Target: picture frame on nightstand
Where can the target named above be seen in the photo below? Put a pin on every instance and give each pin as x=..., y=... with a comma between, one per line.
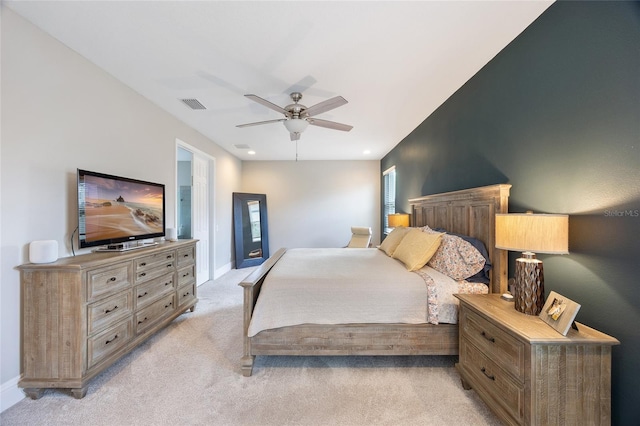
x=559, y=312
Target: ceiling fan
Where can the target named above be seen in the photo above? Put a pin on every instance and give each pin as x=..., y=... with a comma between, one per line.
x=298, y=116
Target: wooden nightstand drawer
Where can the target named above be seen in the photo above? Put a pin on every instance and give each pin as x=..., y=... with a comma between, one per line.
x=503, y=349
x=109, y=311
x=496, y=383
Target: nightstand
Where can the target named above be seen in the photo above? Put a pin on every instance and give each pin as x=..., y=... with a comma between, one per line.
x=528, y=373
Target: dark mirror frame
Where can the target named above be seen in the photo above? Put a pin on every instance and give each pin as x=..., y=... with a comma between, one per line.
x=242, y=229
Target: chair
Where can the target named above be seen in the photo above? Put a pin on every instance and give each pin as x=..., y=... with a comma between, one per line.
x=360, y=238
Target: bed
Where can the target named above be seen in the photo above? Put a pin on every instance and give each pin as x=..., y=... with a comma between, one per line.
x=469, y=212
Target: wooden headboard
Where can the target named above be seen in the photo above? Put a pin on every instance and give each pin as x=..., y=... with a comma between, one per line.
x=469, y=212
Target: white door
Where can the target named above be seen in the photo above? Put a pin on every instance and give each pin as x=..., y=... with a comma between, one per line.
x=200, y=215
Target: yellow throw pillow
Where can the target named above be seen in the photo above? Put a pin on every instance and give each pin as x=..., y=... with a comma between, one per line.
x=416, y=248
x=390, y=243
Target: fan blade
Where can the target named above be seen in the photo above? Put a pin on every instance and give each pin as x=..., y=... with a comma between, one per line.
x=325, y=106
x=329, y=124
x=295, y=136
x=268, y=104
x=257, y=123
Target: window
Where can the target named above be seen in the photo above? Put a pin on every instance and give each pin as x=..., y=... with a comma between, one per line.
x=389, y=177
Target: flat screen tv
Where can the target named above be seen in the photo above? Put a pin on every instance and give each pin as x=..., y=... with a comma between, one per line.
x=113, y=210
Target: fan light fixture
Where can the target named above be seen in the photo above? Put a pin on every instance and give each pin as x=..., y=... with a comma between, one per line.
x=296, y=125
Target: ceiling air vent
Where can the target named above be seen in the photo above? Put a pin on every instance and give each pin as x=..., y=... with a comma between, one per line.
x=242, y=146
x=193, y=103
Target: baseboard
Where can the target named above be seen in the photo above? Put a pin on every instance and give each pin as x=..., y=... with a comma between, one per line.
x=10, y=394
x=222, y=270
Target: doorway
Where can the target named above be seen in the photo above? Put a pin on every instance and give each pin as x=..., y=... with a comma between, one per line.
x=194, y=180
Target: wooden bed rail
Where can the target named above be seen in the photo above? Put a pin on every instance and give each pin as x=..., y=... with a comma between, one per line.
x=252, y=285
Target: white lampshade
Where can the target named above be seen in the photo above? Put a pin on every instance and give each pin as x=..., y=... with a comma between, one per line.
x=537, y=233
x=531, y=233
x=296, y=125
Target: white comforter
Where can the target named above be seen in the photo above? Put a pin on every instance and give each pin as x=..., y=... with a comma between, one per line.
x=347, y=286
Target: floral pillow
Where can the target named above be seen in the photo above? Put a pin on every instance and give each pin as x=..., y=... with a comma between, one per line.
x=456, y=258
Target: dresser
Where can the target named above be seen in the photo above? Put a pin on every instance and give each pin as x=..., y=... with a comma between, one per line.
x=528, y=373
x=80, y=314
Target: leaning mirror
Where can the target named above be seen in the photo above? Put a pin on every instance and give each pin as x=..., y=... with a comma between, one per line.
x=250, y=229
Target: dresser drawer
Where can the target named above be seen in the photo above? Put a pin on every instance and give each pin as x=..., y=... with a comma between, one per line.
x=506, y=351
x=186, y=256
x=495, y=382
x=154, y=312
x=108, y=342
x=153, y=260
x=186, y=275
x=157, y=270
x=186, y=294
x=108, y=280
x=101, y=315
x=146, y=293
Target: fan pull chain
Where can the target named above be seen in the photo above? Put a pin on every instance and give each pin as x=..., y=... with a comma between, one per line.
x=296, y=151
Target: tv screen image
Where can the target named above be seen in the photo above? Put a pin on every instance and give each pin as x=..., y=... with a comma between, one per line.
x=114, y=209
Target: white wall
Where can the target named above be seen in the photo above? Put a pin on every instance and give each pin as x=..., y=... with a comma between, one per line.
x=60, y=113
x=315, y=203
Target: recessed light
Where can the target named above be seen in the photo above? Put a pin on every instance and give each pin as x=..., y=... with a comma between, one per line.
x=252, y=152
x=366, y=152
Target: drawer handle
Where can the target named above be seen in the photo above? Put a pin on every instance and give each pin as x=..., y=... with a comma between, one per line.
x=143, y=264
x=109, y=341
x=107, y=311
x=186, y=255
x=142, y=320
x=112, y=279
x=170, y=265
x=143, y=274
x=484, y=371
x=491, y=339
x=185, y=275
x=142, y=295
x=168, y=282
x=170, y=303
x=169, y=256
x=186, y=294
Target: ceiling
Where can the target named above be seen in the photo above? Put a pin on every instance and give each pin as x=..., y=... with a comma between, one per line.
x=394, y=62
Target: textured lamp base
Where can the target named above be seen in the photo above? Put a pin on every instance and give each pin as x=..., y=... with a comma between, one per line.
x=529, y=285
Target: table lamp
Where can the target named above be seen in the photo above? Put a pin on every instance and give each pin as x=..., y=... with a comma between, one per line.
x=398, y=219
x=531, y=233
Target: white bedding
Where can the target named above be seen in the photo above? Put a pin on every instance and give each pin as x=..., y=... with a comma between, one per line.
x=348, y=286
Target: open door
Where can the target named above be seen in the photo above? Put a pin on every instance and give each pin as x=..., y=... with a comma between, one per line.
x=194, y=205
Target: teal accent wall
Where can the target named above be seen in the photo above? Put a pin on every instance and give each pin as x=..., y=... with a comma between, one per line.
x=557, y=115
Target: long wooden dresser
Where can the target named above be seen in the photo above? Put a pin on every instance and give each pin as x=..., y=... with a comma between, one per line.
x=80, y=314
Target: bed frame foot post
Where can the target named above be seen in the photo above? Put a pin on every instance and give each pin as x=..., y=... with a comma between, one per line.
x=247, y=365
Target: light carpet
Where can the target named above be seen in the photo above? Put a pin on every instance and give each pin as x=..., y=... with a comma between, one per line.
x=189, y=373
